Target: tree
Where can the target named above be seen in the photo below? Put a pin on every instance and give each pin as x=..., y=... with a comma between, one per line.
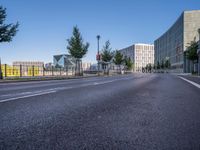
x=128, y=63
x=77, y=49
x=150, y=68
x=162, y=64
x=167, y=64
x=158, y=65
x=107, y=54
x=118, y=59
x=154, y=66
x=191, y=53
x=7, y=31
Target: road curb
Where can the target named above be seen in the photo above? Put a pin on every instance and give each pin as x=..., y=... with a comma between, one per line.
x=41, y=79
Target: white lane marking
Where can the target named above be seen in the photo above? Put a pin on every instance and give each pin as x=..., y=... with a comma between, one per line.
x=16, y=94
x=53, y=90
x=191, y=82
x=105, y=82
x=26, y=96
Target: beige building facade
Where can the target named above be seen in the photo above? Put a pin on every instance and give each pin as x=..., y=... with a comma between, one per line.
x=140, y=54
x=28, y=63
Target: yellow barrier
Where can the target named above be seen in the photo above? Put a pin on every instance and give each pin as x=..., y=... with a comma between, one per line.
x=11, y=71
x=14, y=71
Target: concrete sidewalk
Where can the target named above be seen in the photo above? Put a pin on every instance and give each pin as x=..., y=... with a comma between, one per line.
x=41, y=78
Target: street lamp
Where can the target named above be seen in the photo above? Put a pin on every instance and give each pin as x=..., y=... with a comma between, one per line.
x=1, y=74
x=198, y=52
x=98, y=56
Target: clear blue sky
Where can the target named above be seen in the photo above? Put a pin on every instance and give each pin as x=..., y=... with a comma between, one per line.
x=46, y=24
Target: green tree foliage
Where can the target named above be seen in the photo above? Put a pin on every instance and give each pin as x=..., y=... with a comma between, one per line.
x=167, y=64
x=118, y=58
x=191, y=52
x=128, y=63
x=107, y=53
x=148, y=68
x=154, y=67
x=158, y=65
x=162, y=64
x=7, y=31
x=77, y=48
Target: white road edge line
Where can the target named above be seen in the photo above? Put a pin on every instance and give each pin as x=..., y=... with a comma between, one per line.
x=37, y=94
x=191, y=82
x=53, y=90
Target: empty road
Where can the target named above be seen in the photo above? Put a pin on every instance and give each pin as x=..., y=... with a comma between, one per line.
x=137, y=111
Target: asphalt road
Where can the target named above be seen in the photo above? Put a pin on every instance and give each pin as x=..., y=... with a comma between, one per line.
x=140, y=111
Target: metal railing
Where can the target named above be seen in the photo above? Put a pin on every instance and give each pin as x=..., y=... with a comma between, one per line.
x=23, y=71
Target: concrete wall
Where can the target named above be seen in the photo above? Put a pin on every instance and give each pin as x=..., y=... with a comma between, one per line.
x=170, y=45
x=191, y=26
x=175, y=41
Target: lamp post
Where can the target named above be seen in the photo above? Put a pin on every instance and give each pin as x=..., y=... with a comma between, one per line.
x=1, y=74
x=198, y=53
x=98, y=56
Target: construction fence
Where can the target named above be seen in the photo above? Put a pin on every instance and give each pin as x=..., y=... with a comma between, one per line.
x=34, y=71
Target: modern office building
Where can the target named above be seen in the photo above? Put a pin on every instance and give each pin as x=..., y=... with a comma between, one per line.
x=86, y=66
x=67, y=61
x=28, y=63
x=140, y=54
x=63, y=61
x=29, y=68
x=173, y=43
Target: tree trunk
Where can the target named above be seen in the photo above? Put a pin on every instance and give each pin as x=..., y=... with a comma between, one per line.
x=78, y=68
x=193, y=67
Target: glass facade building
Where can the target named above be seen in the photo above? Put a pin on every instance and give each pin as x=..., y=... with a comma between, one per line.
x=63, y=61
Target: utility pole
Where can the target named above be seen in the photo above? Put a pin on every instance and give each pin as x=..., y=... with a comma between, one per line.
x=98, y=55
x=198, y=53
x=1, y=74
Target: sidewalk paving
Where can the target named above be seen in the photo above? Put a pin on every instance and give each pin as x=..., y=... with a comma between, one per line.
x=41, y=78
x=47, y=78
